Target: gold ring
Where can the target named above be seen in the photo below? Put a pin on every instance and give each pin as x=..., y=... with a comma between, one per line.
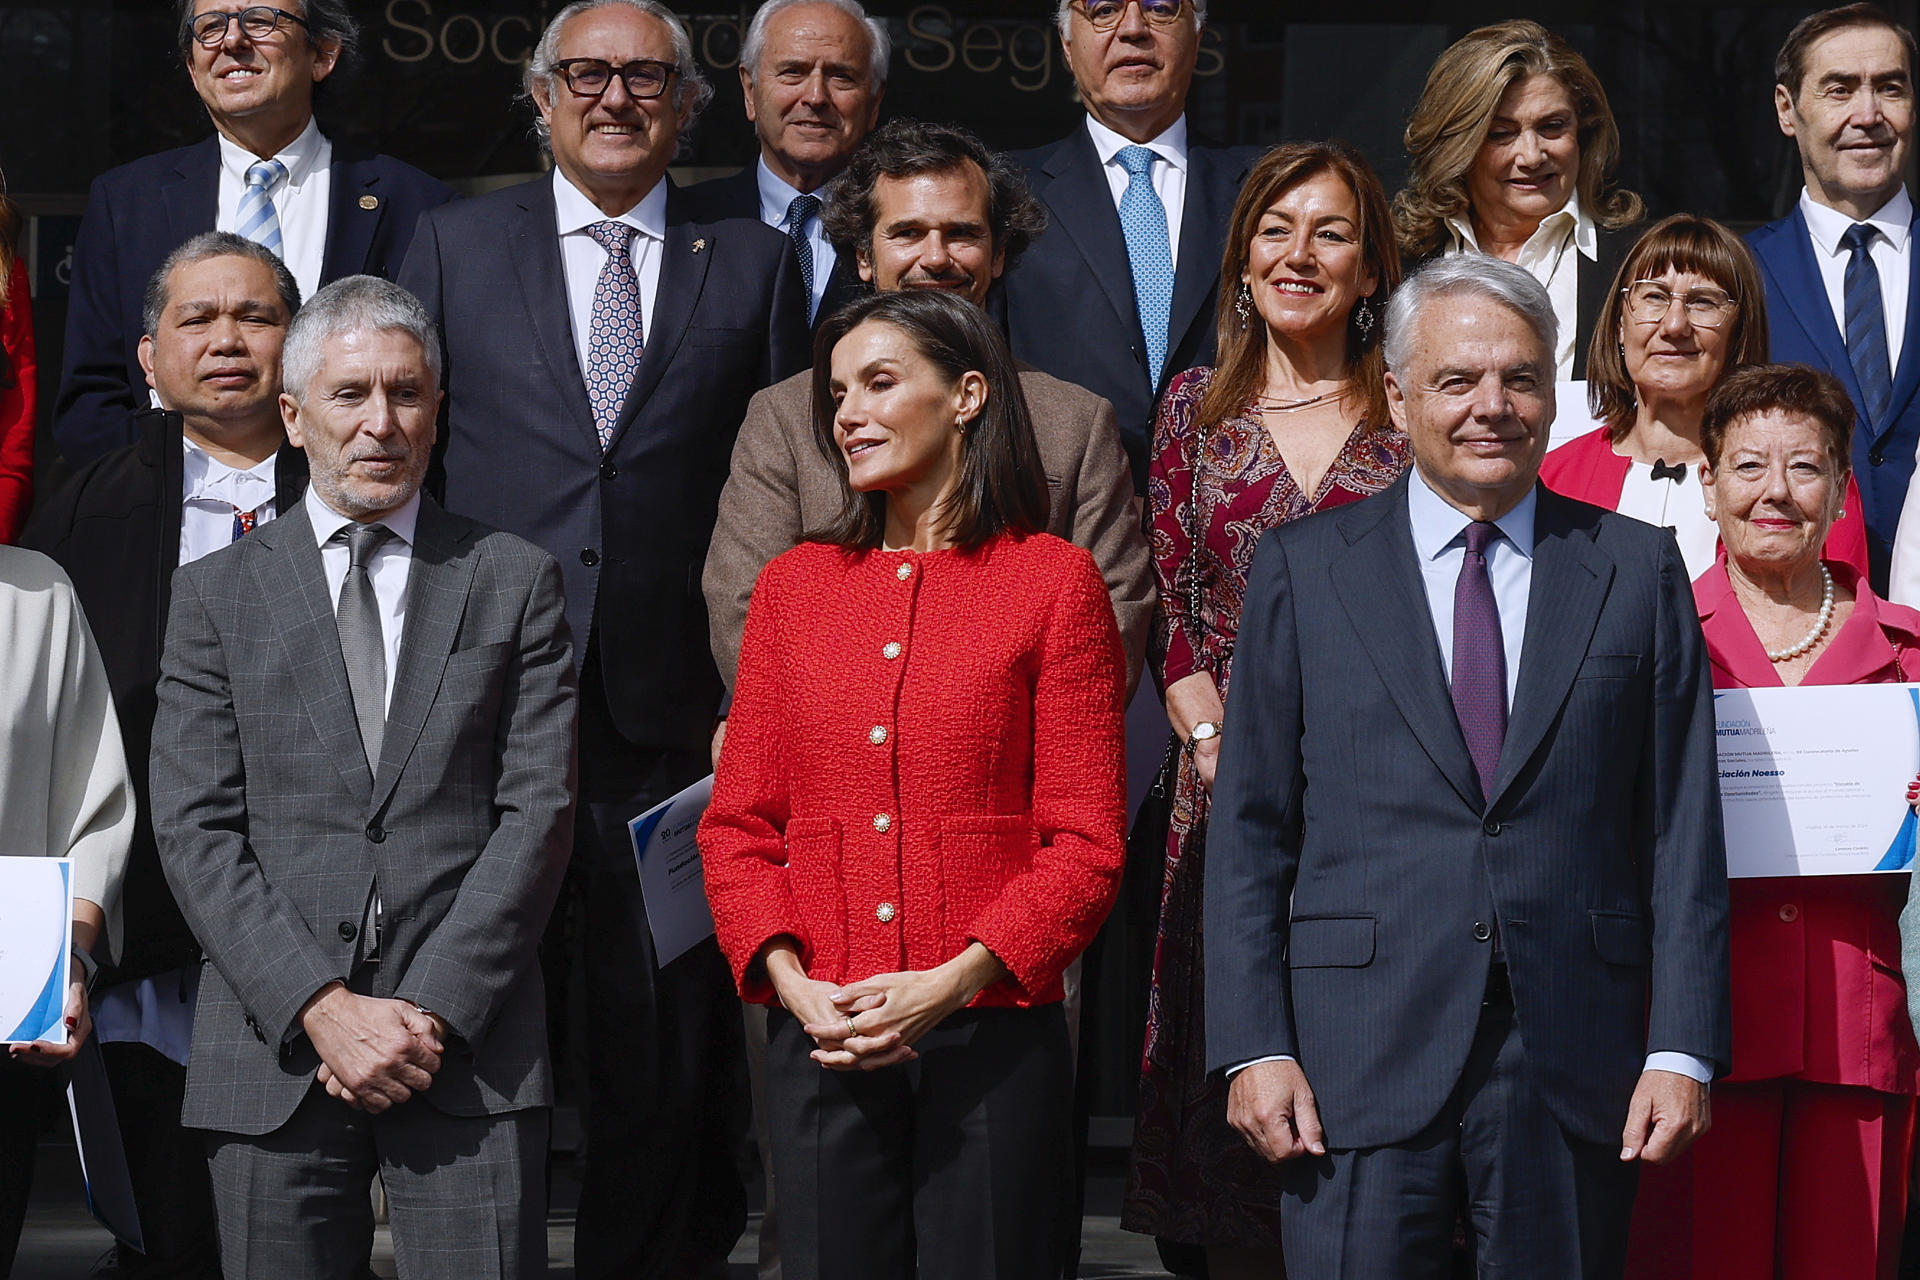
x=851, y=1031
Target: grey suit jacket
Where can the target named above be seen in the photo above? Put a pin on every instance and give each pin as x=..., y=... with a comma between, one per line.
x=1355, y=873
x=273, y=832
x=781, y=485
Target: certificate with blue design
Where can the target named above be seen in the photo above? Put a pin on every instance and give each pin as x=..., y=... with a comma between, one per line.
x=672, y=885
x=1813, y=779
x=36, y=942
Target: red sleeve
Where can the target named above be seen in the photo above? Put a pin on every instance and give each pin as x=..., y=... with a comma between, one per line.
x=1049, y=913
x=742, y=834
x=1170, y=498
x=18, y=404
x=1847, y=538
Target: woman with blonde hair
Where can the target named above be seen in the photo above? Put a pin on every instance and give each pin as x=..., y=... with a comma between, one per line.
x=18, y=396
x=1513, y=147
x=1291, y=420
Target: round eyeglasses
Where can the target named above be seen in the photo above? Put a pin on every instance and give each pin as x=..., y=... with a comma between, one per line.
x=256, y=23
x=1649, y=301
x=589, y=77
x=1105, y=15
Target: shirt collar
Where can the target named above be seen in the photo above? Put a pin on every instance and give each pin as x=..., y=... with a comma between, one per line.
x=1170, y=146
x=776, y=193
x=573, y=212
x=302, y=156
x=1438, y=524
x=1586, y=233
x=1828, y=227
x=327, y=522
x=201, y=472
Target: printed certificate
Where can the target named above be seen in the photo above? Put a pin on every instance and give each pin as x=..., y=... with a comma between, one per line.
x=1813, y=779
x=671, y=881
x=36, y=939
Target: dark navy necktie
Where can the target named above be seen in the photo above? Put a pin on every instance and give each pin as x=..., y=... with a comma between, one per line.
x=1479, y=659
x=799, y=209
x=1867, y=324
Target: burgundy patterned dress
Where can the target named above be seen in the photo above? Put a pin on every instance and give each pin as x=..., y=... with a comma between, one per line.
x=1210, y=496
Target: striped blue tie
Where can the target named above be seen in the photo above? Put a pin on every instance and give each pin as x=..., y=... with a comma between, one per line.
x=1867, y=325
x=257, y=220
x=1143, y=220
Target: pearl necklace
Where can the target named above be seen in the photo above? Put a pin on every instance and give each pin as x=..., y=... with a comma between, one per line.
x=1819, y=624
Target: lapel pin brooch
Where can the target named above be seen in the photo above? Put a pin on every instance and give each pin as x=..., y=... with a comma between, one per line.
x=698, y=245
x=369, y=202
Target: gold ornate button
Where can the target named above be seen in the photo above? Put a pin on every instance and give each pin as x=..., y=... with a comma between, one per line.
x=904, y=572
x=877, y=734
x=884, y=913
x=892, y=650
x=882, y=822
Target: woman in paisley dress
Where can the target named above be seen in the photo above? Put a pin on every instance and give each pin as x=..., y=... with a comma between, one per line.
x=1292, y=420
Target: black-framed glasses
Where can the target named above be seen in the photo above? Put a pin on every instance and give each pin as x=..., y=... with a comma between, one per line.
x=1649, y=301
x=257, y=23
x=643, y=77
x=1105, y=15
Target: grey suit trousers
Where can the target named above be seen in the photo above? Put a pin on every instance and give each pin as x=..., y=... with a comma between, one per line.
x=467, y=1194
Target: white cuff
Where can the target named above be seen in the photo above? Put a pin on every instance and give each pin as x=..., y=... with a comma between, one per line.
x=1238, y=1067
x=1681, y=1064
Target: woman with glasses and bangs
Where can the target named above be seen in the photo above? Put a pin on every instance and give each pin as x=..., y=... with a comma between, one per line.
x=1686, y=308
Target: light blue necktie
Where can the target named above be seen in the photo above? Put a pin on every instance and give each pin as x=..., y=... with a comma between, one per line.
x=257, y=220
x=1143, y=220
x=1867, y=325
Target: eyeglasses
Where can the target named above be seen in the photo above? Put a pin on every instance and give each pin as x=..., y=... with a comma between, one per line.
x=643, y=77
x=256, y=23
x=1105, y=15
x=1649, y=301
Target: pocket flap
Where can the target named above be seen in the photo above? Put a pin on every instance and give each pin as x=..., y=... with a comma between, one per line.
x=1621, y=937
x=1600, y=666
x=1326, y=942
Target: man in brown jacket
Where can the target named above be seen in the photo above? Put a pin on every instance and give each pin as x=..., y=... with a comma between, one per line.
x=926, y=206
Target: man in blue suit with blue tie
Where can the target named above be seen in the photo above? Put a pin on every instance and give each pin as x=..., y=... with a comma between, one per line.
x=1839, y=269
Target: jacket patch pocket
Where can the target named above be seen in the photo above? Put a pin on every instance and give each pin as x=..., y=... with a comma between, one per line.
x=819, y=889
x=979, y=854
x=1609, y=666
x=1620, y=937
x=1330, y=942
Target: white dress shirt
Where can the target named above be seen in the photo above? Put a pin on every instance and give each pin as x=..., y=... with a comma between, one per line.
x=299, y=201
x=1169, y=176
x=211, y=491
x=388, y=569
x=1440, y=544
x=1679, y=505
x=1827, y=228
x=581, y=257
x=775, y=196
x=1552, y=256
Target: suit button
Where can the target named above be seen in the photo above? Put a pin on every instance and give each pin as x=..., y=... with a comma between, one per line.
x=904, y=572
x=608, y=471
x=347, y=931
x=882, y=823
x=377, y=833
x=877, y=735
x=1789, y=913
x=1481, y=931
x=891, y=650
x=589, y=557
x=1876, y=457
x=884, y=913
x=1491, y=826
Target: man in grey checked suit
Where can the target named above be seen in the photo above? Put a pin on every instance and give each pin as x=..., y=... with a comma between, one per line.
x=362, y=791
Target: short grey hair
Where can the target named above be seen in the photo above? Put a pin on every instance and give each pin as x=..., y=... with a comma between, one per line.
x=206, y=245
x=347, y=305
x=691, y=94
x=879, y=43
x=1063, y=16
x=1475, y=274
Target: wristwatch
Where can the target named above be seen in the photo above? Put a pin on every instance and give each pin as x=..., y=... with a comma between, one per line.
x=1205, y=731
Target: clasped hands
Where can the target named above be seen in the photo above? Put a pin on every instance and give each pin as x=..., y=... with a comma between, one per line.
x=874, y=1023
x=1271, y=1105
x=374, y=1053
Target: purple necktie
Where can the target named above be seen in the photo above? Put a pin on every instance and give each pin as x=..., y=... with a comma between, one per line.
x=614, y=337
x=1479, y=660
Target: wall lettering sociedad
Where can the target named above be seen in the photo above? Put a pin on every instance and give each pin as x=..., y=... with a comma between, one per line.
x=1027, y=53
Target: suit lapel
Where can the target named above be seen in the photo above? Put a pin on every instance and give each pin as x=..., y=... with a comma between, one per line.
x=292, y=588
x=1081, y=205
x=690, y=246
x=192, y=196
x=351, y=222
x=535, y=236
x=1907, y=378
x=1570, y=583
x=437, y=585
x=1379, y=586
x=1211, y=190
x=1788, y=258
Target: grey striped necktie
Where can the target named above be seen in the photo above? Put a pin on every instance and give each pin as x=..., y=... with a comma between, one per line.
x=358, y=617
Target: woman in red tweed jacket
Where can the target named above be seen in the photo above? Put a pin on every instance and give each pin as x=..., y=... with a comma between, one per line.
x=918, y=817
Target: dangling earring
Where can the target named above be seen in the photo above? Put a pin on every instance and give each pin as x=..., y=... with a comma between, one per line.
x=1243, y=304
x=1363, y=319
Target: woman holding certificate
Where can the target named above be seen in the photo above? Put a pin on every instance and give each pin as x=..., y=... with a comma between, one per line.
x=1686, y=307
x=1805, y=1170
x=918, y=817
x=63, y=794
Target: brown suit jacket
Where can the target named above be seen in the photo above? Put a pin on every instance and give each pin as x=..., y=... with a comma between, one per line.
x=781, y=485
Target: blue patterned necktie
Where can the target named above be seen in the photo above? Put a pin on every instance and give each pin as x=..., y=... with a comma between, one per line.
x=1867, y=324
x=798, y=211
x=1143, y=220
x=1479, y=657
x=615, y=336
x=257, y=220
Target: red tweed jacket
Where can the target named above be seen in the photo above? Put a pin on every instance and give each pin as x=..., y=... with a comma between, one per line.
x=924, y=749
